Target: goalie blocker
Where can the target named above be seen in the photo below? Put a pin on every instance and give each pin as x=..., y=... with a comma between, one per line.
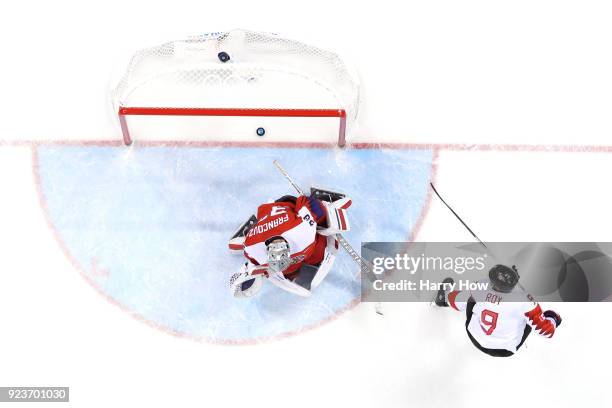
x=307, y=225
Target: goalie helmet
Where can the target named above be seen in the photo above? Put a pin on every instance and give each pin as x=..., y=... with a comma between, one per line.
x=279, y=258
x=503, y=278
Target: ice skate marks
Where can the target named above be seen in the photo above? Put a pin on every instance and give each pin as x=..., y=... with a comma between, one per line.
x=156, y=220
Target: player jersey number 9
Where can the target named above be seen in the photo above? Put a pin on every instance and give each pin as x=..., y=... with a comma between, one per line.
x=488, y=319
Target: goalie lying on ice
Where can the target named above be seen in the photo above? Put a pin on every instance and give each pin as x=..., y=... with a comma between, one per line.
x=291, y=242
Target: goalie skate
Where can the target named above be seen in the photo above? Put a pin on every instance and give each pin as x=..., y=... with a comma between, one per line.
x=236, y=241
x=326, y=195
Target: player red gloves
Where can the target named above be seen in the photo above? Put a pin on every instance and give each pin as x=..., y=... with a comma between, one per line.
x=539, y=322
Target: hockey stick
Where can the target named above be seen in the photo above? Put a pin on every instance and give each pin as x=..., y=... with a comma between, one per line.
x=457, y=215
x=460, y=220
x=469, y=229
x=363, y=265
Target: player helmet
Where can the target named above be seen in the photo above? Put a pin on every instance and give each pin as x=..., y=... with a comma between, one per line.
x=279, y=258
x=503, y=278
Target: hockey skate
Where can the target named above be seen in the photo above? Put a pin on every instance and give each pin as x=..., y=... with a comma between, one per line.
x=236, y=241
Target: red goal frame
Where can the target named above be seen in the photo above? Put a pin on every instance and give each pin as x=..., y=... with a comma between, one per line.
x=254, y=112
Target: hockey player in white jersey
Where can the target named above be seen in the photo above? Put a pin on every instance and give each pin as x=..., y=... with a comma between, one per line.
x=500, y=319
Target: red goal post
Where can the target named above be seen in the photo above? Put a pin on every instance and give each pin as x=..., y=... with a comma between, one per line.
x=237, y=112
x=177, y=90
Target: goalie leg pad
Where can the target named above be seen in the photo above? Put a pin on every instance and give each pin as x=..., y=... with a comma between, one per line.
x=326, y=264
x=278, y=279
x=337, y=220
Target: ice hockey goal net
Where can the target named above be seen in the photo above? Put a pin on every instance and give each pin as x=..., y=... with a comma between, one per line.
x=236, y=85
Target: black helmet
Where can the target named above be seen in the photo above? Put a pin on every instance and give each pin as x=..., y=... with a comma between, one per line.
x=503, y=278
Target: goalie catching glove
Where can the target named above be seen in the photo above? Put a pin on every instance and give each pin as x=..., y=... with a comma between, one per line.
x=244, y=284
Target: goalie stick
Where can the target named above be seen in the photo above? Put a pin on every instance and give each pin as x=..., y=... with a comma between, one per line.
x=363, y=265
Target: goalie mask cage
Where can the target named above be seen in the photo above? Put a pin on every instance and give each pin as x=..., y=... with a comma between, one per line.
x=183, y=90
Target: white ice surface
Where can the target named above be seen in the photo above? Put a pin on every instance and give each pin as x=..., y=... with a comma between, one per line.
x=445, y=72
x=149, y=227
x=56, y=329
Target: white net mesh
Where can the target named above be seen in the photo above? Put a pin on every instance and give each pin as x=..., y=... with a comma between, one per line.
x=264, y=71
